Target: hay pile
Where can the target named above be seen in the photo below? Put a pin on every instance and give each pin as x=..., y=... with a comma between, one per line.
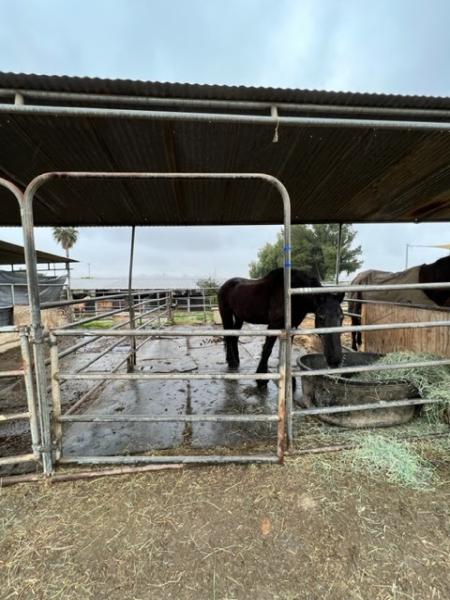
x=431, y=382
x=393, y=459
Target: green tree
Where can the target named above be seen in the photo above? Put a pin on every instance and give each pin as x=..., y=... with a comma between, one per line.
x=313, y=249
x=209, y=285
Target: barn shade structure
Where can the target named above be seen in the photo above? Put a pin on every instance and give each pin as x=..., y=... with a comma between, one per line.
x=13, y=254
x=91, y=152
x=343, y=157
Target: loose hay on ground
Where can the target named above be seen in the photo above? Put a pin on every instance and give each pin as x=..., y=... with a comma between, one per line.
x=299, y=531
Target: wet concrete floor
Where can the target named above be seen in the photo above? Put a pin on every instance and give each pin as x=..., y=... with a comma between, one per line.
x=155, y=398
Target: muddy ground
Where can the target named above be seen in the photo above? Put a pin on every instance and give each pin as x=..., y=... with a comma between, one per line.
x=154, y=398
x=312, y=530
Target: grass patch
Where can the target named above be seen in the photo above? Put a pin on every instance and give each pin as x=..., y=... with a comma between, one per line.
x=394, y=460
x=100, y=324
x=182, y=317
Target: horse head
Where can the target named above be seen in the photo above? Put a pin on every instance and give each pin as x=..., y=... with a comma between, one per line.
x=329, y=313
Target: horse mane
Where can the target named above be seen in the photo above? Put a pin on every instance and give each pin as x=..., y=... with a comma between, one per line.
x=439, y=268
x=299, y=278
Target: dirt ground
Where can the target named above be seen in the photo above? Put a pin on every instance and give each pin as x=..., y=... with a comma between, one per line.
x=312, y=529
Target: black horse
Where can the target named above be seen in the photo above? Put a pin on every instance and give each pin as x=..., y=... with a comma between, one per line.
x=260, y=301
x=436, y=272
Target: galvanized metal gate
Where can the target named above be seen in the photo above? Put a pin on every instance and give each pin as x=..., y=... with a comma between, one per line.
x=50, y=425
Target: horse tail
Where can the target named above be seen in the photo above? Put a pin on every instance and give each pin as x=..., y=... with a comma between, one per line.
x=229, y=322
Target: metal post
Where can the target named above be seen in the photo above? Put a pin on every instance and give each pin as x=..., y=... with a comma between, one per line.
x=281, y=430
x=338, y=253
x=287, y=308
x=406, y=256
x=204, y=305
x=56, y=397
x=13, y=296
x=26, y=212
x=29, y=389
x=132, y=356
x=169, y=308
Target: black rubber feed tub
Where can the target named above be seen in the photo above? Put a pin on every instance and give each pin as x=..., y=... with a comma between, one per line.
x=334, y=390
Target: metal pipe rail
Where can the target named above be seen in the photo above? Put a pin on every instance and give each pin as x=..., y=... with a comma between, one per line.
x=334, y=289
x=405, y=304
x=220, y=104
x=168, y=418
x=187, y=332
x=15, y=416
x=374, y=327
x=210, y=117
x=100, y=316
x=114, y=344
x=102, y=375
x=85, y=300
x=82, y=332
x=329, y=410
x=59, y=377
x=198, y=459
x=367, y=368
x=97, y=386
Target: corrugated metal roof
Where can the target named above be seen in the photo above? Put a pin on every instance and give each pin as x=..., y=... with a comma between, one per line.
x=332, y=174
x=95, y=85
x=13, y=254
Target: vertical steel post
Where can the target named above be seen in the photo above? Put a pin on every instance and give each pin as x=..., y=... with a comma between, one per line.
x=26, y=212
x=281, y=429
x=338, y=253
x=56, y=397
x=204, y=305
x=287, y=306
x=29, y=389
x=132, y=355
x=169, y=308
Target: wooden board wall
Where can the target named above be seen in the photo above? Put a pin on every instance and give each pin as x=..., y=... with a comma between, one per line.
x=435, y=339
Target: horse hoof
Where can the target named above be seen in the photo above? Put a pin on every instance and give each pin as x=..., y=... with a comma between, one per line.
x=233, y=366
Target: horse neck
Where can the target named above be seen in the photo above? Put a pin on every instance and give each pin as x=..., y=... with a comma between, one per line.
x=435, y=273
x=303, y=304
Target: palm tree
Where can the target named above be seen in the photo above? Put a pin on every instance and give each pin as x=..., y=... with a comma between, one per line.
x=67, y=237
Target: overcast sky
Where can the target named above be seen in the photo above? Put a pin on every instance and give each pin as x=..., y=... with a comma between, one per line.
x=400, y=46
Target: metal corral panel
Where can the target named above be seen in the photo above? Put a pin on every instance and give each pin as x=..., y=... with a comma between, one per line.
x=331, y=173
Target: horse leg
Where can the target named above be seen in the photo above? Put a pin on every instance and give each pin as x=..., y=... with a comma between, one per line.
x=226, y=315
x=265, y=355
x=235, y=341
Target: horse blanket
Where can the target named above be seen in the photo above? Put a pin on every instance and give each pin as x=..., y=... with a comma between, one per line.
x=373, y=277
